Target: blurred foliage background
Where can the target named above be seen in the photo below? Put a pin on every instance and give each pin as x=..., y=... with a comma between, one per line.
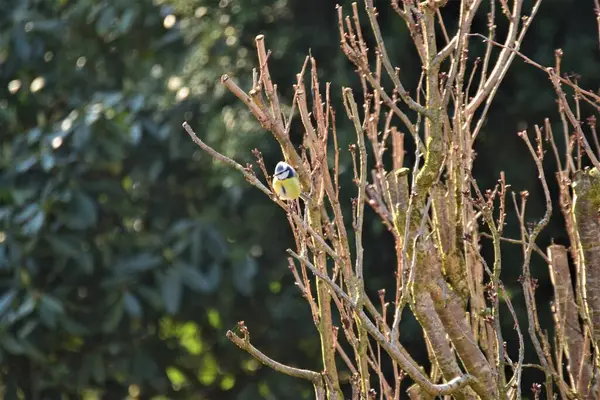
x=126, y=253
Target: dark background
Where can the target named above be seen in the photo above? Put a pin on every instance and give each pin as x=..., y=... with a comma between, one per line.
x=126, y=253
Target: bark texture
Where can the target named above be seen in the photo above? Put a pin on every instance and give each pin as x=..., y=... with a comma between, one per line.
x=586, y=207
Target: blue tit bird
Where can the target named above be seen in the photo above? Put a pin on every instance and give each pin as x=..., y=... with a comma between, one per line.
x=286, y=182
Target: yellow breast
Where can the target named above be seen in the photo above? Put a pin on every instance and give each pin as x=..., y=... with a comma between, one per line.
x=287, y=189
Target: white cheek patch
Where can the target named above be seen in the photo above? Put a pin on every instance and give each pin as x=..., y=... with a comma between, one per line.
x=283, y=170
x=283, y=174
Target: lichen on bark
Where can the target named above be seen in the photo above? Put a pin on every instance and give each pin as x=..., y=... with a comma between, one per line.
x=586, y=210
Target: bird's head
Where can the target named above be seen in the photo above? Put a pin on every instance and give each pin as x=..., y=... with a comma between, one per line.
x=284, y=170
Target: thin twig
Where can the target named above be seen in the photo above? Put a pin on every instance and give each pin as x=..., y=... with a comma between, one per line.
x=244, y=344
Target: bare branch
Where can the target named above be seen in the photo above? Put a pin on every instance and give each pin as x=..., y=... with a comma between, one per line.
x=244, y=344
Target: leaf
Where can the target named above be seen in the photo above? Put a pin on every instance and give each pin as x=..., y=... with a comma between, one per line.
x=217, y=247
x=11, y=344
x=94, y=10
x=48, y=161
x=98, y=370
x=171, y=290
x=48, y=26
x=34, y=135
x=106, y=21
x=14, y=249
x=143, y=366
x=214, y=275
x=84, y=372
x=163, y=132
x=32, y=351
x=5, y=212
x=72, y=247
x=169, y=38
x=181, y=228
x=140, y=263
x=155, y=169
x=22, y=47
x=10, y=390
x=6, y=300
x=26, y=164
x=243, y=274
x=196, y=250
x=202, y=283
x=27, y=328
x=82, y=211
x=52, y=304
x=25, y=308
x=114, y=317
x=74, y=327
x=3, y=256
x=176, y=376
x=21, y=195
x=137, y=102
x=82, y=134
x=34, y=225
x=86, y=262
x=49, y=310
x=180, y=246
x=67, y=245
x=135, y=133
x=132, y=305
x=111, y=99
x=27, y=213
x=151, y=296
